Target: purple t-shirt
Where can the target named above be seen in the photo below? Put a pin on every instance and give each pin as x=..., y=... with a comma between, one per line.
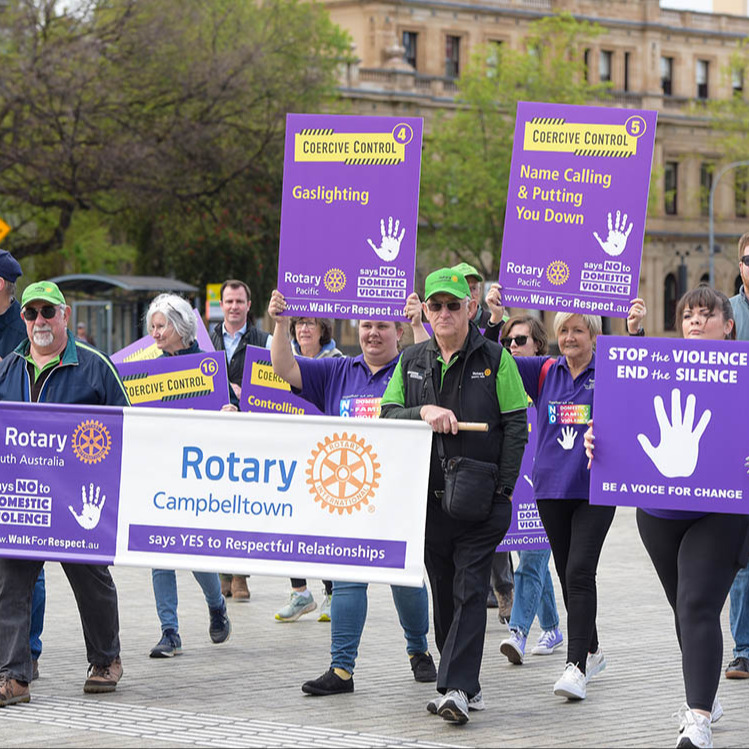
x=344, y=386
x=560, y=470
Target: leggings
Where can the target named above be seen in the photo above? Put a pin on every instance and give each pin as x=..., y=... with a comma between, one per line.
x=696, y=560
x=576, y=531
x=300, y=582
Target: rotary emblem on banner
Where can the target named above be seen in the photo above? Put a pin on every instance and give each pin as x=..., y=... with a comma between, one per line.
x=91, y=441
x=343, y=473
x=335, y=280
x=558, y=272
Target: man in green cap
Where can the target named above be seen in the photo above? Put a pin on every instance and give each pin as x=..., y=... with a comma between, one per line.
x=476, y=285
x=51, y=366
x=458, y=375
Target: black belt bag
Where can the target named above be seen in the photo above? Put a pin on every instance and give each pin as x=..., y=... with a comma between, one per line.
x=470, y=488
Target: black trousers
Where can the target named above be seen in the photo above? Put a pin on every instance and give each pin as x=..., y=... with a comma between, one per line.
x=458, y=558
x=95, y=595
x=576, y=531
x=696, y=560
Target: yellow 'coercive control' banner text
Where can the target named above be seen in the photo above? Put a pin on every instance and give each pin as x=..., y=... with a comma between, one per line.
x=587, y=139
x=326, y=145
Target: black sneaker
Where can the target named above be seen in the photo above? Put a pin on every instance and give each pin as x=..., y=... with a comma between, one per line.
x=169, y=645
x=328, y=683
x=220, y=627
x=738, y=668
x=422, y=664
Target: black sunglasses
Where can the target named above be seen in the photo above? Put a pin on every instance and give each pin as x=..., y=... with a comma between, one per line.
x=520, y=340
x=437, y=306
x=31, y=313
x=745, y=260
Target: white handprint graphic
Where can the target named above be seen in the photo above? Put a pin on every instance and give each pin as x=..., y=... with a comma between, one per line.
x=390, y=245
x=617, y=238
x=569, y=434
x=676, y=455
x=92, y=507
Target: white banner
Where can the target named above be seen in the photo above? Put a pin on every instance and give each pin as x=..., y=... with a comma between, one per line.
x=311, y=496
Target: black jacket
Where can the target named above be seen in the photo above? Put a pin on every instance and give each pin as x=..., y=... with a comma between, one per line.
x=469, y=390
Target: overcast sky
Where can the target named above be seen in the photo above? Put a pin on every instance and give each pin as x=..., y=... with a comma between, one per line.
x=703, y=5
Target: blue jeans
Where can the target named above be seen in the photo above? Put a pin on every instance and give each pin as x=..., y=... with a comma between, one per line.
x=348, y=612
x=534, y=592
x=165, y=592
x=739, y=613
x=38, y=602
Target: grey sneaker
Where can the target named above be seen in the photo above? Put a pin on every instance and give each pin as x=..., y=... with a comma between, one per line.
x=298, y=605
x=475, y=703
x=324, y=609
x=594, y=664
x=454, y=707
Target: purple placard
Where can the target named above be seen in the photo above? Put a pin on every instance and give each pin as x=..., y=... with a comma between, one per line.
x=526, y=529
x=60, y=485
x=284, y=547
x=576, y=208
x=146, y=348
x=670, y=424
x=264, y=391
x=189, y=381
x=349, y=215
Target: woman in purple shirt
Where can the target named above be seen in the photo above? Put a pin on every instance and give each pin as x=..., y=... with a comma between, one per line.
x=696, y=554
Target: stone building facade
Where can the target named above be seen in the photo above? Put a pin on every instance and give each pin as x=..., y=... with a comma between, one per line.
x=410, y=53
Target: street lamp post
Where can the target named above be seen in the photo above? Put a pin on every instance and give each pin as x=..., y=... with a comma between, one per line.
x=710, y=246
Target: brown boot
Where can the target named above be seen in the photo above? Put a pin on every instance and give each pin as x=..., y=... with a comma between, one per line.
x=239, y=589
x=12, y=691
x=226, y=585
x=103, y=678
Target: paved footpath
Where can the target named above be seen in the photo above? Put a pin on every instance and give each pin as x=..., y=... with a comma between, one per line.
x=246, y=692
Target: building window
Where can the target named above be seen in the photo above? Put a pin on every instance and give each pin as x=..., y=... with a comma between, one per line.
x=452, y=56
x=670, y=294
x=706, y=183
x=409, y=45
x=494, y=53
x=703, y=70
x=737, y=81
x=667, y=75
x=586, y=64
x=740, y=189
x=626, y=71
x=604, y=65
x=671, y=172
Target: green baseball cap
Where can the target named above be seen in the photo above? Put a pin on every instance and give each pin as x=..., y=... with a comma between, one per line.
x=447, y=281
x=44, y=291
x=467, y=270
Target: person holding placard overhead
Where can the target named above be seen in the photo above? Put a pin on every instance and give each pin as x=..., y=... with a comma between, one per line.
x=171, y=323
x=561, y=482
x=696, y=554
x=341, y=387
x=459, y=376
x=311, y=337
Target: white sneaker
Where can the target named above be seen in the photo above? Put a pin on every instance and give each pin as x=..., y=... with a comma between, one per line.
x=715, y=714
x=594, y=664
x=572, y=684
x=696, y=733
x=325, y=608
x=475, y=703
x=454, y=707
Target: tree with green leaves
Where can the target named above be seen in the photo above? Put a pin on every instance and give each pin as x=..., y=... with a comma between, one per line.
x=468, y=153
x=163, y=119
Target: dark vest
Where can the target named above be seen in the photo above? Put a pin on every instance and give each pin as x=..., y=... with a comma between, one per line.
x=469, y=390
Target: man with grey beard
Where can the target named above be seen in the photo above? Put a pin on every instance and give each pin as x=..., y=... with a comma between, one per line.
x=53, y=367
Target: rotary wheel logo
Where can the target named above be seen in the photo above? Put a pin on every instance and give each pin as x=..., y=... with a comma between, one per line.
x=91, y=441
x=335, y=280
x=343, y=473
x=558, y=272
